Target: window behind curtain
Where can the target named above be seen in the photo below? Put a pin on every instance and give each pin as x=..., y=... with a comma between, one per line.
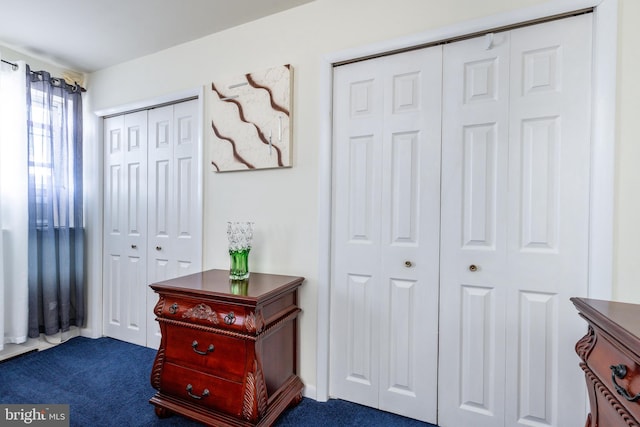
x=40, y=159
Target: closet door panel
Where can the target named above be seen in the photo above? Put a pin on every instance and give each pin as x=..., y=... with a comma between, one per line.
x=161, y=201
x=133, y=280
x=113, y=301
x=385, y=286
x=477, y=355
x=473, y=235
x=175, y=190
x=515, y=225
x=356, y=276
x=114, y=222
x=548, y=217
x=125, y=227
x=175, y=201
x=409, y=223
x=188, y=193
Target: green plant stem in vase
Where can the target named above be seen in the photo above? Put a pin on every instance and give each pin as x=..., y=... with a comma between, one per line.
x=239, y=268
x=240, y=235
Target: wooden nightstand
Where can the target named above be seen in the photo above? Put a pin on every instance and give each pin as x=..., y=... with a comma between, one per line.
x=228, y=354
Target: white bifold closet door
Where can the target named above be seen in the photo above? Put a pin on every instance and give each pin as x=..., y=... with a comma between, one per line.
x=153, y=213
x=125, y=228
x=473, y=204
x=384, y=299
x=515, y=222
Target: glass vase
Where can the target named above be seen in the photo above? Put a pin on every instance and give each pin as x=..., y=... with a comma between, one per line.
x=240, y=235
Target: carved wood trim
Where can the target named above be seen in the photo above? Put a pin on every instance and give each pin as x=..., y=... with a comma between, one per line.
x=254, y=404
x=157, y=310
x=156, y=371
x=202, y=312
x=586, y=344
x=208, y=329
x=611, y=399
x=254, y=322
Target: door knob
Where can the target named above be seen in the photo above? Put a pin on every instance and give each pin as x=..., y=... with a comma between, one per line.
x=473, y=267
x=408, y=264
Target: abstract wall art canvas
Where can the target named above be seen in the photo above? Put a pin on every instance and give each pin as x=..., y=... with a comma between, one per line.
x=251, y=120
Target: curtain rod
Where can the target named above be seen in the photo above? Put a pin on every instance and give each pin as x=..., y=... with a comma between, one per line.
x=15, y=67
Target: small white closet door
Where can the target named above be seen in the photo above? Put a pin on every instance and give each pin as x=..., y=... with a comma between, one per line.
x=125, y=227
x=153, y=213
x=386, y=231
x=515, y=212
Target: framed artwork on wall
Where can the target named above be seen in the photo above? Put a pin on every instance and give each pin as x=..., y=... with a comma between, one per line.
x=251, y=120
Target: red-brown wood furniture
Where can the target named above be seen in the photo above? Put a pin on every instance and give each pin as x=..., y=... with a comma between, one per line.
x=610, y=353
x=228, y=354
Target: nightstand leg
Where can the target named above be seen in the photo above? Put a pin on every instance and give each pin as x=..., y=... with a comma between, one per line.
x=163, y=412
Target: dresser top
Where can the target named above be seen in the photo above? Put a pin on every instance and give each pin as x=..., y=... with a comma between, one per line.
x=216, y=283
x=619, y=319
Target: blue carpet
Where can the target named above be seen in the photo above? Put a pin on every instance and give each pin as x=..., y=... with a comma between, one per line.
x=106, y=383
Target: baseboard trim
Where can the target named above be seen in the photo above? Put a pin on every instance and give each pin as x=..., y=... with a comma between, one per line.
x=43, y=342
x=310, y=392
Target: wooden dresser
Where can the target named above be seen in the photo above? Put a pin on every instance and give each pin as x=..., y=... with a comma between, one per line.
x=610, y=354
x=228, y=354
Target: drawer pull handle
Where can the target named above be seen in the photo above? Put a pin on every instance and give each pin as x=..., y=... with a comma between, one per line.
x=174, y=308
x=230, y=318
x=205, y=393
x=620, y=371
x=204, y=353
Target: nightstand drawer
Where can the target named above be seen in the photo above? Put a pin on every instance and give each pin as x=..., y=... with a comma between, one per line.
x=202, y=350
x=618, y=371
x=207, y=313
x=202, y=389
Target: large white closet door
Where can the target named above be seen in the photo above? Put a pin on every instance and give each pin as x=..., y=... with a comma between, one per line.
x=175, y=218
x=515, y=204
x=385, y=236
x=125, y=227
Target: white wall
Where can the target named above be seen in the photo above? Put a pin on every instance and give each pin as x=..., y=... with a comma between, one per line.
x=627, y=194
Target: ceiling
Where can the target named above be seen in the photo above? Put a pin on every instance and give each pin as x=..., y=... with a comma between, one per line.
x=89, y=35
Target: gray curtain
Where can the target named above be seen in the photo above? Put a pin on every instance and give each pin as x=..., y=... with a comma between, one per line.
x=56, y=233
